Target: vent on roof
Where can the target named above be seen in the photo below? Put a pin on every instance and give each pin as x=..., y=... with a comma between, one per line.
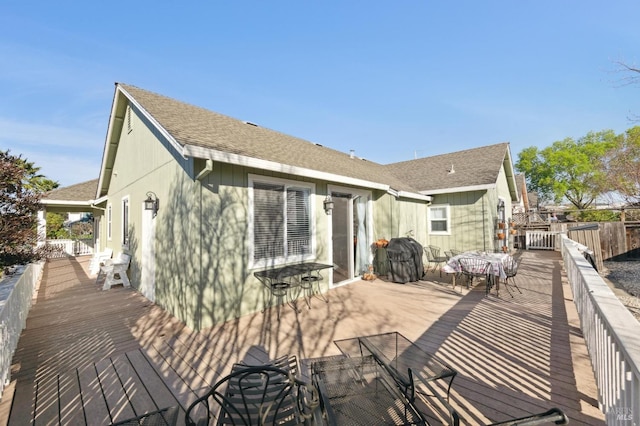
x=451, y=170
x=250, y=123
x=352, y=154
x=318, y=144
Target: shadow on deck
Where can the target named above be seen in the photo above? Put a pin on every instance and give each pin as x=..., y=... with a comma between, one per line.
x=95, y=357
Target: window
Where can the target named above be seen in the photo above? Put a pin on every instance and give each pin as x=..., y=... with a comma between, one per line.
x=109, y=212
x=439, y=220
x=125, y=221
x=282, y=222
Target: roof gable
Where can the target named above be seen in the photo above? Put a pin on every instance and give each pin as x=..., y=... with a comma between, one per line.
x=456, y=171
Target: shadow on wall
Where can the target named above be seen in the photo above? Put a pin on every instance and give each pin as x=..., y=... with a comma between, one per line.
x=201, y=269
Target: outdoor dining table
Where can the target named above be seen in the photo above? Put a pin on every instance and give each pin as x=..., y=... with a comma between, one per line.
x=497, y=260
x=284, y=281
x=376, y=381
x=360, y=391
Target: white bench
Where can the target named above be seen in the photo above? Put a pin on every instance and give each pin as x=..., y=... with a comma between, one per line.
x=98, y=260
x=115, y=271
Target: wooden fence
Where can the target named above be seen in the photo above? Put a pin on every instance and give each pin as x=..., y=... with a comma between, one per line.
x=587, y=235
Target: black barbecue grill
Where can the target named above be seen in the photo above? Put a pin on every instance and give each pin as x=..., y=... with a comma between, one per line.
x=405, y=260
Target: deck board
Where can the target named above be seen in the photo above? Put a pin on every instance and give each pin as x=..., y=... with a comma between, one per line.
x=89, y=356
x=71, y=411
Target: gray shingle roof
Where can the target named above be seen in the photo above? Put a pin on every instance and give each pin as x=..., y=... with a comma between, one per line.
x=472, y=167
x=195, y=126
x=84, y=191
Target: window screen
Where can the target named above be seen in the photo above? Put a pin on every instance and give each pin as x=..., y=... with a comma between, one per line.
x=281, y=221
x=125, y=221
x=439, y=219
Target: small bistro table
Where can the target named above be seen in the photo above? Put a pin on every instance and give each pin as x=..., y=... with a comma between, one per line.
x=282, y=281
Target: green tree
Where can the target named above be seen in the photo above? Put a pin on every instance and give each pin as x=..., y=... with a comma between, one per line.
x=55, y=226
x=19, y=205
x=34, y=181
x=18, y=213
x=568, y=169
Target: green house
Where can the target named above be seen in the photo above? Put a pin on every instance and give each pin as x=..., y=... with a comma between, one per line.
x=202, y=202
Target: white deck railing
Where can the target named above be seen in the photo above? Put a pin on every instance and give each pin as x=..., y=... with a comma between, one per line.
x=69, y=247
x=612, y=336
x=16, y=293
x=540, y=240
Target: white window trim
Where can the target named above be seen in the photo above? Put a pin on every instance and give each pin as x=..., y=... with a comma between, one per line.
x=109, y=221
x=447, y=208
x=312, y=218
x=124, y=228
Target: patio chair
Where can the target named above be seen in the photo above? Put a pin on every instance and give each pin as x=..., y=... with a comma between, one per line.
x=552, y=416
x=98, y=260
x=115, y=271
x=455, y=252
x=258, y=395
x=476, y=267
x=436, y=258
x=511, y=269
x=288, y=363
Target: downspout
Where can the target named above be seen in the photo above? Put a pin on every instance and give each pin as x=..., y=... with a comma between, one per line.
x=484, y=230
x=208, y=168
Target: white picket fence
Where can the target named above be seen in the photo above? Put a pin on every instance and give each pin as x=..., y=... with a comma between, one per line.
x=69, y=247
x=540, y=240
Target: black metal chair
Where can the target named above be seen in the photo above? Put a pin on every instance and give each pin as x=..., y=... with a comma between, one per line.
x=552, y=416
x=436, y=258
x=257, y=395
x=476, y=267
x=511, y=269
x=455, y=252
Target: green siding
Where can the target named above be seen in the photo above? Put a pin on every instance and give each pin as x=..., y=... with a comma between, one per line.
x=202, y=271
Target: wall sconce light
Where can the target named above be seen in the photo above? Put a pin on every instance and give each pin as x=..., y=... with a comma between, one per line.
x=152, y=203
x=500, y=206
x=328, y=205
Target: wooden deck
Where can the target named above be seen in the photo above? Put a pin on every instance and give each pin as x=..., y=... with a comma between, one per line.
x=94, y=357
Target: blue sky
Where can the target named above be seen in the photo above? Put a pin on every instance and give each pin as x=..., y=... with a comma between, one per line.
x=390, y=80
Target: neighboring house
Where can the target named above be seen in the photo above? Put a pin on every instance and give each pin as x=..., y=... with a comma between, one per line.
x=472, y=193
x=522, y=205
x=234, y=198
x=76, y=200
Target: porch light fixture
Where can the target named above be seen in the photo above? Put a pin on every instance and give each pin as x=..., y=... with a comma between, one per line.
x=500, y=206
x=328, y=204
x=152, y=203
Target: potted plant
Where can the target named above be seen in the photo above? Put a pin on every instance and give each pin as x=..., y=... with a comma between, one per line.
x=501, y=225
x=501, y=235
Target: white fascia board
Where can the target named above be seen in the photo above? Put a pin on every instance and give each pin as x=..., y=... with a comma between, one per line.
x=87, y=203
x=157, y=125
x=459, y=189
x=103, y=165
x=100, y=200
x=241, y=160
x=413, y=195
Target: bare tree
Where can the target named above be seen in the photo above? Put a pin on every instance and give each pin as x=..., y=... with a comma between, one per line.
x=621, y=165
